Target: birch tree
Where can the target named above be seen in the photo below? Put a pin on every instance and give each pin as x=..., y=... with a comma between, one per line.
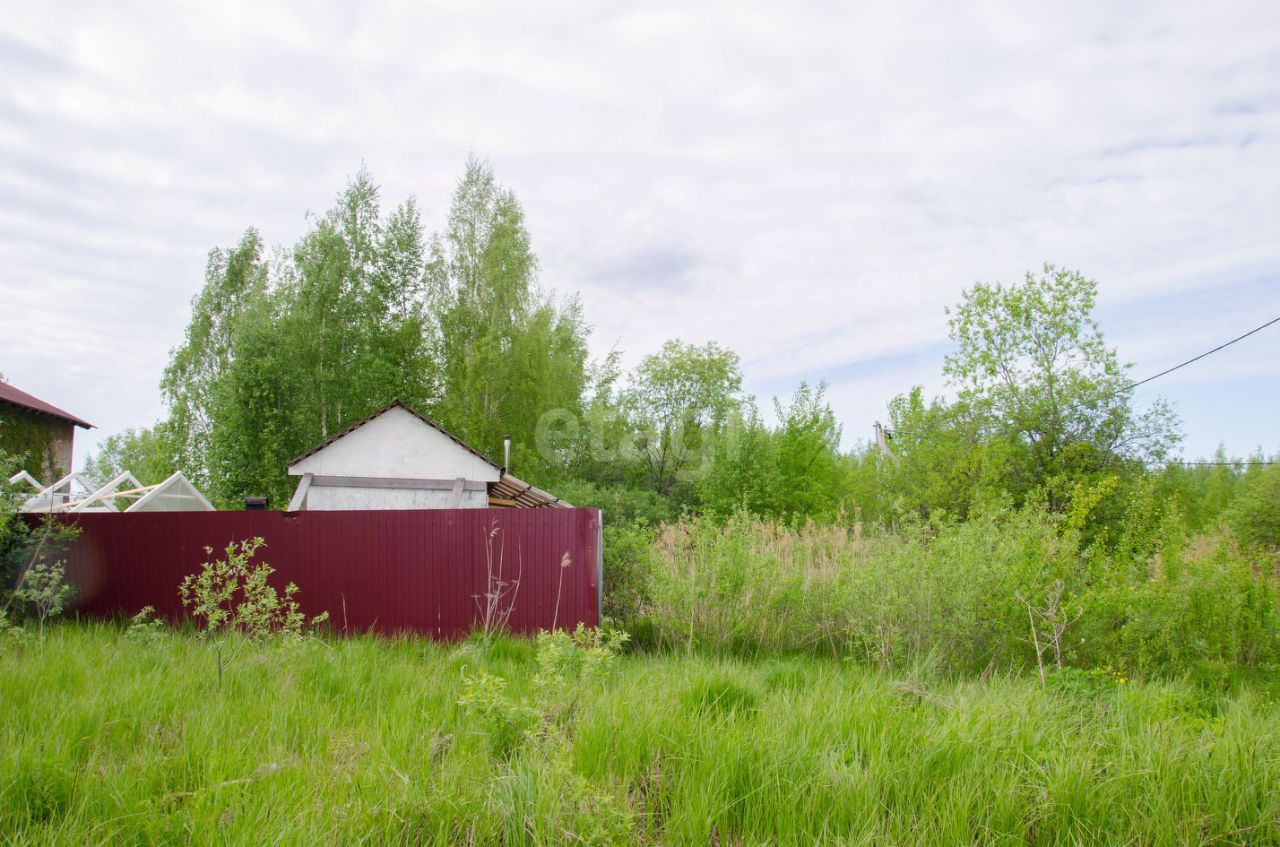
x=507, y=351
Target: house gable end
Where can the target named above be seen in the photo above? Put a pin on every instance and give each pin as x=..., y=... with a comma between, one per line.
x=396, y=443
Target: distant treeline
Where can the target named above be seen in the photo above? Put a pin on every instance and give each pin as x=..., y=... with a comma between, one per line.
x=287, y=346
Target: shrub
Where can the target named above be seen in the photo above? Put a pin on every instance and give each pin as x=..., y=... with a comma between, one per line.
x=40, y=587
x=507, y=720
x=628, y=551
x=568, y=663
x=1208, y=604
x=1254, y=516
x=43, y=588
x=233, y=594
x=10, y=633
x=144, y=627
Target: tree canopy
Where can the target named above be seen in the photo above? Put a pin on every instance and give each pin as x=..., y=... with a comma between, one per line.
x=286, y=346
x=365, y=309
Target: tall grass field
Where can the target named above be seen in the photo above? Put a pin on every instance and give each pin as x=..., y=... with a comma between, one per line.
x=109, y=740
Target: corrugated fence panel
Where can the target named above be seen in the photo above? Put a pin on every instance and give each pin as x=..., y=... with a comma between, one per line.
x=423, y=571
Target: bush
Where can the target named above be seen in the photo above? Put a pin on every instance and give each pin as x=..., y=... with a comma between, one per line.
x=145, y=627
x=1254, y=515
x=1208, y=604
x=627, y=563
x=232, y=594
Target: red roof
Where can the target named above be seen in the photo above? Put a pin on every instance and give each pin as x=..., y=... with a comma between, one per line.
x=18, y=397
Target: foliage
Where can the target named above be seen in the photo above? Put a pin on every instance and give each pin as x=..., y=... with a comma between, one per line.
x=232, y=594
x=679, y=399
x=234, y=279
x=792, y=473
x=10, y=632
x=808, y=443
x=1042, y=402
x=507, y=721
x=942, y=465
x=1032, y=364
x=506, y=351
x=282, y=352
x=13, y=529
x=26, y=443
x=620, y=504
x=1254, y=515
x=568, y=661
x=42, y=587
x=960, y=594
x=1186, y=609
x=359, y=741
x=743, y=472
x=628, y=550
x=147, y=452
x=568, y=665
x=33, y=556
x=145, y=627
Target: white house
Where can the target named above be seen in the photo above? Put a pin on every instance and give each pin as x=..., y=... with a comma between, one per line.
x=398, y=459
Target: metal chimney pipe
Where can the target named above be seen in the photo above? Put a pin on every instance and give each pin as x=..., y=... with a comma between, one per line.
x=506, y=453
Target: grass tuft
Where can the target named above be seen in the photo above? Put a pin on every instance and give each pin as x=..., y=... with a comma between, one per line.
x=719, y=695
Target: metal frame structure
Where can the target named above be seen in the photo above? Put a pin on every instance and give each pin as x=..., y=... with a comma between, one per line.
x=146, y=498
x=53, y=497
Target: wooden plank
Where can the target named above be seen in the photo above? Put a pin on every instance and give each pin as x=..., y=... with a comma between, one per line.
x=397, y=482
x=300, y=496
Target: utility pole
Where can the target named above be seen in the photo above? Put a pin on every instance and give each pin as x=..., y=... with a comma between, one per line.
x=882, y=440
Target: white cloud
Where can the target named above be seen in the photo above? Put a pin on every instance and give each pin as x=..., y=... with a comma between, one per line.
x=809, y=185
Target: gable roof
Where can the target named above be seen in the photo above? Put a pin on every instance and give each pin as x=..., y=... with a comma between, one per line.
x=18, y=397
x=392, y=405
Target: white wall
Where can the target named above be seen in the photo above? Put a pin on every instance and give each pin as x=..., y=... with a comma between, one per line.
x=397, y=444
x=330, y=498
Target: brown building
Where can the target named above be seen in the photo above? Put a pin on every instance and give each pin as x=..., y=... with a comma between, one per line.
x=39, y=434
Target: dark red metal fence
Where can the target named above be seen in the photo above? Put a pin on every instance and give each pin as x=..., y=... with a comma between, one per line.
x=386, y=571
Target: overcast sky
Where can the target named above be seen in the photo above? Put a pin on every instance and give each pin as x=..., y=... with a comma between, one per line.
x=809, y=184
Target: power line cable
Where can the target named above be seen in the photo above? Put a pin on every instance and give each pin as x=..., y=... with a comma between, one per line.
x=1153, y=377
x=1248, y=463
x=1194, y=359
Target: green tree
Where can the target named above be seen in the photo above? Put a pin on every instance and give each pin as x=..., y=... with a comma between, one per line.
x=235, y=278
x=508, y=352
x=325, y=334
x=1032, y=370
x=744, y=469
x=679, y=399
x=233, y=595
x=263, y=412
x=808, y=450
x=1254, y=515
x=942, y=460
x=1203, y=491
x=146, y=452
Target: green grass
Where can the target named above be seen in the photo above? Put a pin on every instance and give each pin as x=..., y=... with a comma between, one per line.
x=104, y=741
